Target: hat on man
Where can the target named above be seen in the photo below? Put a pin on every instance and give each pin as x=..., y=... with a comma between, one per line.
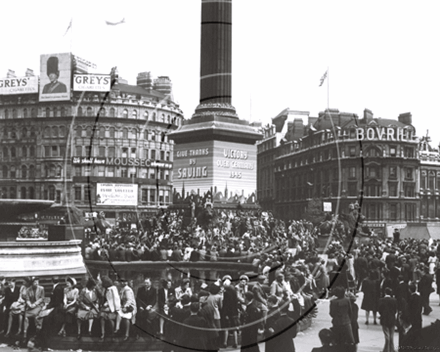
x=71, y=280
x=227, y=277
x=52, y=66
x=244, y=277
x=261, y=277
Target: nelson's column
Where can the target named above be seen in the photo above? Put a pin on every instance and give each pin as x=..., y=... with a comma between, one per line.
x=215, y=150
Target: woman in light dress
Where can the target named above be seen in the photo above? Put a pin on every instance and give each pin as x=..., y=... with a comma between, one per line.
x=71, y=294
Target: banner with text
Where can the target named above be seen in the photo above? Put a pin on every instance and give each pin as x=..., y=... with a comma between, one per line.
x=116, y=194
x=91, y=83
x=18, y=85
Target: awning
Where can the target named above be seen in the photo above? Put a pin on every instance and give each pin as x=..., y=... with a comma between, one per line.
x=416, y=231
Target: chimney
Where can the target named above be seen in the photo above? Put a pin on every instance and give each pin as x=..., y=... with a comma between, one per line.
x=406, y=118
x=11, y=74
x=29, y=73
x=144, y=80
x=163, y=84
x=368, y=116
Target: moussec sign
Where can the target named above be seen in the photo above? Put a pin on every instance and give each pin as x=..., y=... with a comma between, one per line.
x=91, y=83
x=18, y=85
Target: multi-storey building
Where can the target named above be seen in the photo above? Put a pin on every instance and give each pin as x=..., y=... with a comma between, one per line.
x=100, y=150
x=340, y=159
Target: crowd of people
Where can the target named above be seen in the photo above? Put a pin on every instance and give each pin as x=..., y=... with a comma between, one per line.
x=396, y=278
x=289, y=274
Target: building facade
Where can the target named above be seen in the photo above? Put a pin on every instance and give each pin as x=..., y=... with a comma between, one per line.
x=101, y=151
x=339, y=158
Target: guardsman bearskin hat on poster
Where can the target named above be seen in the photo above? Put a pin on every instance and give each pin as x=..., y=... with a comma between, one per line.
x=52, y=66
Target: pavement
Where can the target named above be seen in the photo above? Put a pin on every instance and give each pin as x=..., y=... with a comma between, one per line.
x=371, y=336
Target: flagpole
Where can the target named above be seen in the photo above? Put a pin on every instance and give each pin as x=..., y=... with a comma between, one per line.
x=328, y=88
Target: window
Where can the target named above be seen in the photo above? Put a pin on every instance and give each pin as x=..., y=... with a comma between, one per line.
x=87, y=194
x=63, y=111
x=408, y=190
x=31, y=193
x=78, y=150
x=102, y=152
x=87, y=170
x=89, y=111
x=125, y=114
x=101, y=170
x=409, y=173
x=373, y=190
x=12, y=193
x=410, y=212
x=162, y=155
x=102, y=132
x=58, y=197
x=408, y=152
x=32, y=171
x=372, y=152
x=32, y=134
x=80, y=111
x=152, y=174
x=25, y=113
x=393, y=211
x=352, y=172
x=13, y=154
x=4, y=171
x=23, y=171
x=59, y=171
x=14, y=113
x=373, y=171
x=110, y=171
x=153, y=136
x=392, y=189
x=47, y=112
x=5, y=152
x=112, y=112
x=24, y=151
x=133, y=153
x=54, y=150
x=134, y=114
x=352, y=189
x=13, y=173
x=373, y=211
x=111, y=151
x=88, y=131
x=62, y=131
x=101, y=112
x=124, y=172
x=124, y=152
x=78, y=171
x=88, y=149
x=55, y=112
x=153, y=154
x=144, y=195
x=112, y=132
x=125, y=133
x=6, y=114
x=4, y=193
x=24, y=132
x=146, y=115
x=132, y=173
x=393, y=151
x=152, y=196
x=133, y=134
x=33, y=112
x=52, y=171
x=393, y=171
x=167, y=156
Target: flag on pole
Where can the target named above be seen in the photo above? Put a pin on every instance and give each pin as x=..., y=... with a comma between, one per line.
x=324, y=76
x=115, y=23
x=68, y=28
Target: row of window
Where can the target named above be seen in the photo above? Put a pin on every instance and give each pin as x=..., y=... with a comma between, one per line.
x=11, y=193
x=124, y=152
x=89, y=111
x=111, y=132
x=116, y=171
x=29, y=172
x=23, y=152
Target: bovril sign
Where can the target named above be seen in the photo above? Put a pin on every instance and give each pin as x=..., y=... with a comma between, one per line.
x=91, y=83
x=382, y=134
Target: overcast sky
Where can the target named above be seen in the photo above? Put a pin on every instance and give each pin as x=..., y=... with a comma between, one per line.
x=381, y=55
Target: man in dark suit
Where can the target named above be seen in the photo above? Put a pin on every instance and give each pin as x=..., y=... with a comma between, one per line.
x=387, y=311
x=425, y=289
x=415, y=308
x=252, y=322
x=52, y=321
x=146, y=300
x=283, y=331
x=192, y=335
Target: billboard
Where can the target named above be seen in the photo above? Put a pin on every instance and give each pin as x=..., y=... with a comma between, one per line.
x=55, y=75
x=116, y=194
x=221, y=164
x=18, y=85
x=91, y=83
